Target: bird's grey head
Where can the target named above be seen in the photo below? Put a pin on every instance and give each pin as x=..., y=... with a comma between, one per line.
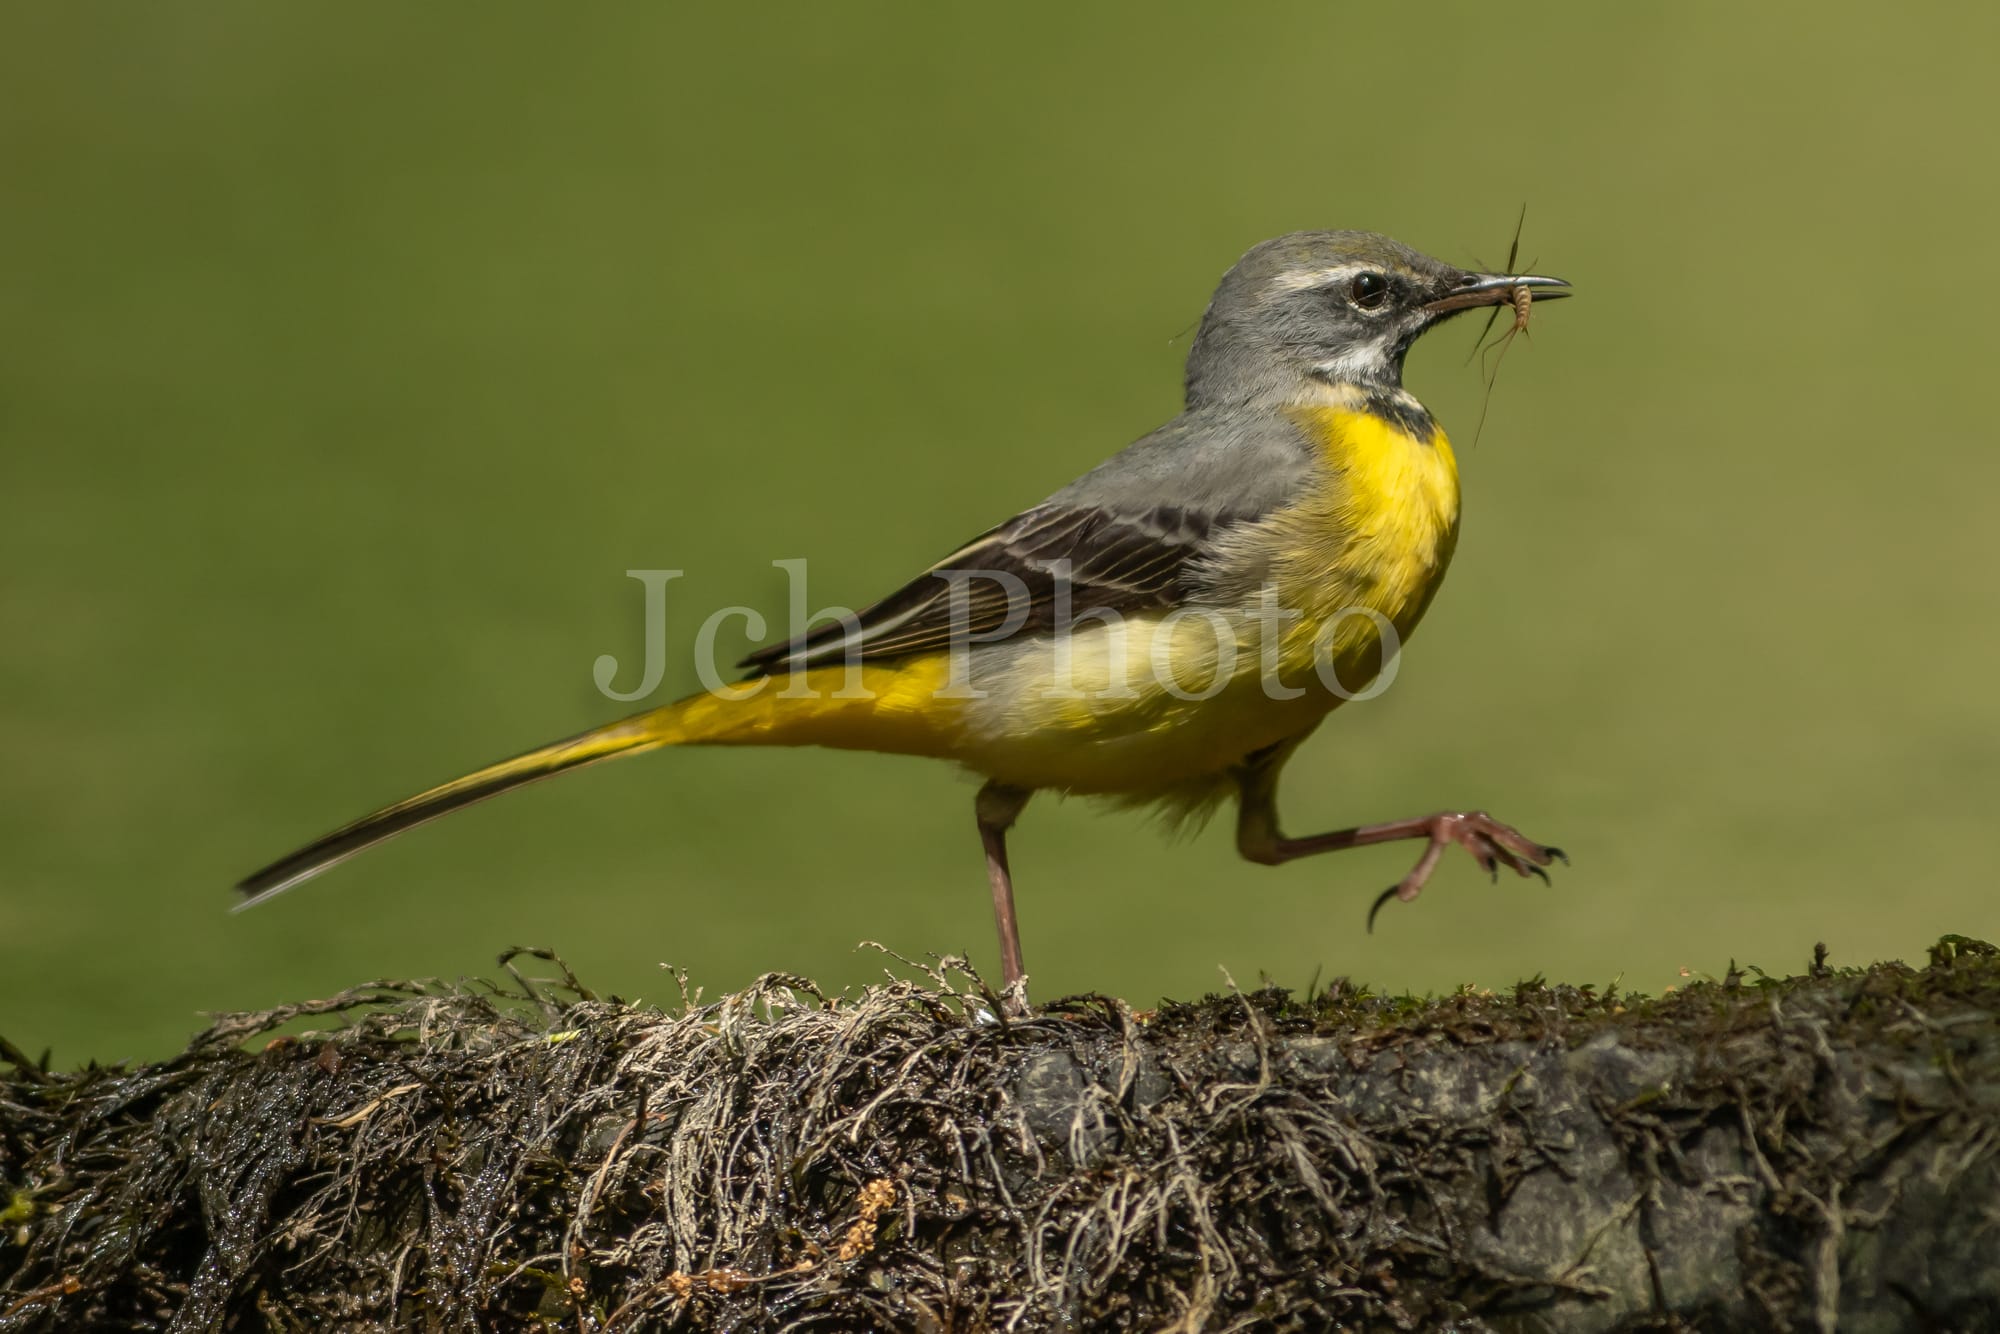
x=1339, y=307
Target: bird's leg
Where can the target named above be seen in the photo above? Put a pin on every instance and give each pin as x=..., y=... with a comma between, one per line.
x=1491, y=843
x=998, y=806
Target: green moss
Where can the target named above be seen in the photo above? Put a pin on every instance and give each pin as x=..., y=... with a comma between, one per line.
x=530, y=1154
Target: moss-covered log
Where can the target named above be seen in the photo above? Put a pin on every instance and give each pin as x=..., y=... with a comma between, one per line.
x=1745, y=1154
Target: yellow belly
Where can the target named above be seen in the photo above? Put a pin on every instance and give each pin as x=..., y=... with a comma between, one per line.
x=1308, y=604
x=1349, y=571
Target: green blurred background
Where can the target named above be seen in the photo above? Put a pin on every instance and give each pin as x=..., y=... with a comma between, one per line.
x=350, y=355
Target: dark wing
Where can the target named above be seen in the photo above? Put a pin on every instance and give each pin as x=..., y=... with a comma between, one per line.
x=1124, y=562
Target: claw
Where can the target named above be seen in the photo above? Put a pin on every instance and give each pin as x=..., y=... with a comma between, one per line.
x=1391, y=892
x=1487, y=841
x=1493, y=845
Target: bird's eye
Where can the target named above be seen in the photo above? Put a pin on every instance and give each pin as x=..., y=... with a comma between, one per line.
x=1368, y=291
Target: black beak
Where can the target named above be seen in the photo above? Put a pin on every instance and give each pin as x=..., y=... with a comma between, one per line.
x=1473, y=290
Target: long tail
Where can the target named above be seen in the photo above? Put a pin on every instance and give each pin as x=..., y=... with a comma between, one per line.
x=896, y=710
x=646, y=731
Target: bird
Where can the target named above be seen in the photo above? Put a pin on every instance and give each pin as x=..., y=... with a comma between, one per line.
x=1163, y=632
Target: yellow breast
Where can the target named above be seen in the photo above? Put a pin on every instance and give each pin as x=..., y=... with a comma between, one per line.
x=1372, y=541
x=1159, y=706
x=1351, y=566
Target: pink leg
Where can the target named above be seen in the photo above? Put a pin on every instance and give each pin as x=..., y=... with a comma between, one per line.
x=998, y=807
x=1491, y=843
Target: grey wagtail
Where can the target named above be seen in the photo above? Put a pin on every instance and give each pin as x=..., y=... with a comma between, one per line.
x=1165, y=630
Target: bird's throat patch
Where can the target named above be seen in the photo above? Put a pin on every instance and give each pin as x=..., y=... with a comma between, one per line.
x=1396, y=406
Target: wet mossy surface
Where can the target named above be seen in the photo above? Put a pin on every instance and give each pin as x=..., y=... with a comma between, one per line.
x=1746, y=1153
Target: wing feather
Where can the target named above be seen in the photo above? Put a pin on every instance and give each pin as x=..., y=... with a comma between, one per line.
x=1124, y=562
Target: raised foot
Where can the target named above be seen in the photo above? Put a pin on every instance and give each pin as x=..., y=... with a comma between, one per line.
x=1491, y=843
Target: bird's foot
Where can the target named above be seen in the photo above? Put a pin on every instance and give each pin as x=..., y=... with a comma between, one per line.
x=1491, y=843
x=1014, y=999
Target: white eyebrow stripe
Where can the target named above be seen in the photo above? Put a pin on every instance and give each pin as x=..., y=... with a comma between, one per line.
x=1299, y=282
